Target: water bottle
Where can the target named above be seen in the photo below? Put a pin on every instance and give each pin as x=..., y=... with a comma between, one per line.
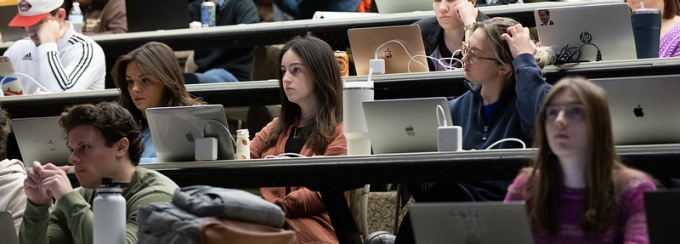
x=76, y=18
x=109, y=213
x=207, y=14
x=242, y=144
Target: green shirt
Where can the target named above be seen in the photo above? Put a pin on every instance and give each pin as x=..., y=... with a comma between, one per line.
x=70, y=220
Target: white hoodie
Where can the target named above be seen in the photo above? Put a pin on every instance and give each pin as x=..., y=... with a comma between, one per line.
x=12, y=196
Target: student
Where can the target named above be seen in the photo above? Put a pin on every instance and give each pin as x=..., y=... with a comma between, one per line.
x=225, y=64
x=506, y=86
x=101, y=16
x=105, y=142
x=669, y=44
x=310, y=123
x=148, y=77
x=443, y=33
x=54, y=58
x=12, y=175
x=577, y=190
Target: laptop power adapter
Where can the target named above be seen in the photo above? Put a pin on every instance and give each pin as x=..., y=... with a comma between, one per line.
x=449, y=138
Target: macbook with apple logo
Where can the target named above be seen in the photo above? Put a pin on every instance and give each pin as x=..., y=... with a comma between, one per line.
x=405, y=125
x=644, y=109
x=174, y=131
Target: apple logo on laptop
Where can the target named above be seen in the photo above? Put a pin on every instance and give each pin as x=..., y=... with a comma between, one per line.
x=409, y=131
x=190, y=136
x=388, y=53
x=638, y=111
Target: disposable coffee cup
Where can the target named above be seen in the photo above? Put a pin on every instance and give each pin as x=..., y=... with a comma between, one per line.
x=354, y=122
x=646, y=29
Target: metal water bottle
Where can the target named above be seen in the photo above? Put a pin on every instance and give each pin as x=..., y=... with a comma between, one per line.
x=242, y=144
x=109, y=213
x=207, y=14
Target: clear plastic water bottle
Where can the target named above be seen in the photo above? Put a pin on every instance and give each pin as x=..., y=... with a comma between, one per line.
x=207, y=14
x=76, y=18
x=242, y=144
x=109, y=213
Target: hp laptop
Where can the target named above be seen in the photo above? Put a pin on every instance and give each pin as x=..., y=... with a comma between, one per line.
x=8, y=9
x=152, y=15
x=401, y=46
x=41, y=139
x=663, y=216
x=7, y=229
x=400, y=6
x=174, y=130
x=643, y=108
x=470, y=222
x=405, y=125
x=587, y=28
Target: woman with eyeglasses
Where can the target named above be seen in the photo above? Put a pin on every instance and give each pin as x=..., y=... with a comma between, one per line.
x=506, y=87
x=577, y=190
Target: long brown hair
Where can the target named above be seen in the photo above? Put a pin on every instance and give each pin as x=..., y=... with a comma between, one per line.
x=158, y=60
x=546, y=178
x=671, y=9
x=319, y=59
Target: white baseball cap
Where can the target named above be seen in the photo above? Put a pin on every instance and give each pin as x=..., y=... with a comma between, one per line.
x=33, y=11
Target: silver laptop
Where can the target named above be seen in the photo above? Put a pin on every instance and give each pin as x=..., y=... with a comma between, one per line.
x=611, y=33
x=644, y=108
x=7, y=229
x=41, y=139
x=470, y=222
x=7, y=13
x=405, y=125
x=397, y=45
x=400, y=6
x=174, y=130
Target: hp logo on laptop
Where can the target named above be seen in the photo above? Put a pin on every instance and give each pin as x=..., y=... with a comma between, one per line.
x=586, y=37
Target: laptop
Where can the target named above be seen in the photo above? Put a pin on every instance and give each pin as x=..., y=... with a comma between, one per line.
x=400, y=6
x=11, y=86
x=407, y=45
x=405, y=125
x=7, y=228
x=643, y=108
x=174, y=130
x=576, y=26
x=8, y=9
x=470, y=222
x=663, y=216
x=152, y=15
x=41, y=139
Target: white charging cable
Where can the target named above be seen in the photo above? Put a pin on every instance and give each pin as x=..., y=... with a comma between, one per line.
x=285, y=155
x=408, y=65
x=524, y=146
x=34, y=81
x=441, y=116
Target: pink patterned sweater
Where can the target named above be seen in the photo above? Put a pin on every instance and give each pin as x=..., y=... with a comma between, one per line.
x=630, y=225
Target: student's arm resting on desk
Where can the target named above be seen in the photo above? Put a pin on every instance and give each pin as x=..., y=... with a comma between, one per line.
x=82, y=65
x=70, y=220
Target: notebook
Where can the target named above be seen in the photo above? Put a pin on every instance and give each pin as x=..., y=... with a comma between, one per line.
x=663, y=216
x=612, y=32
x=365, y=42
x=404, y=125
x=41, y=139
x=400, y=6
x=8, y=9
x=7, y=228
x=174, y=130
x=152, y=15
x=643, y=108
x=470, y=222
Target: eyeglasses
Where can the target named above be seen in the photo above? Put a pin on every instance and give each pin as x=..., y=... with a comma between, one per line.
x=471, y=55
x=573, y=112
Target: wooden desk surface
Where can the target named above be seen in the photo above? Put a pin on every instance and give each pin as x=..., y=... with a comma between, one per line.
x=658, y=160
